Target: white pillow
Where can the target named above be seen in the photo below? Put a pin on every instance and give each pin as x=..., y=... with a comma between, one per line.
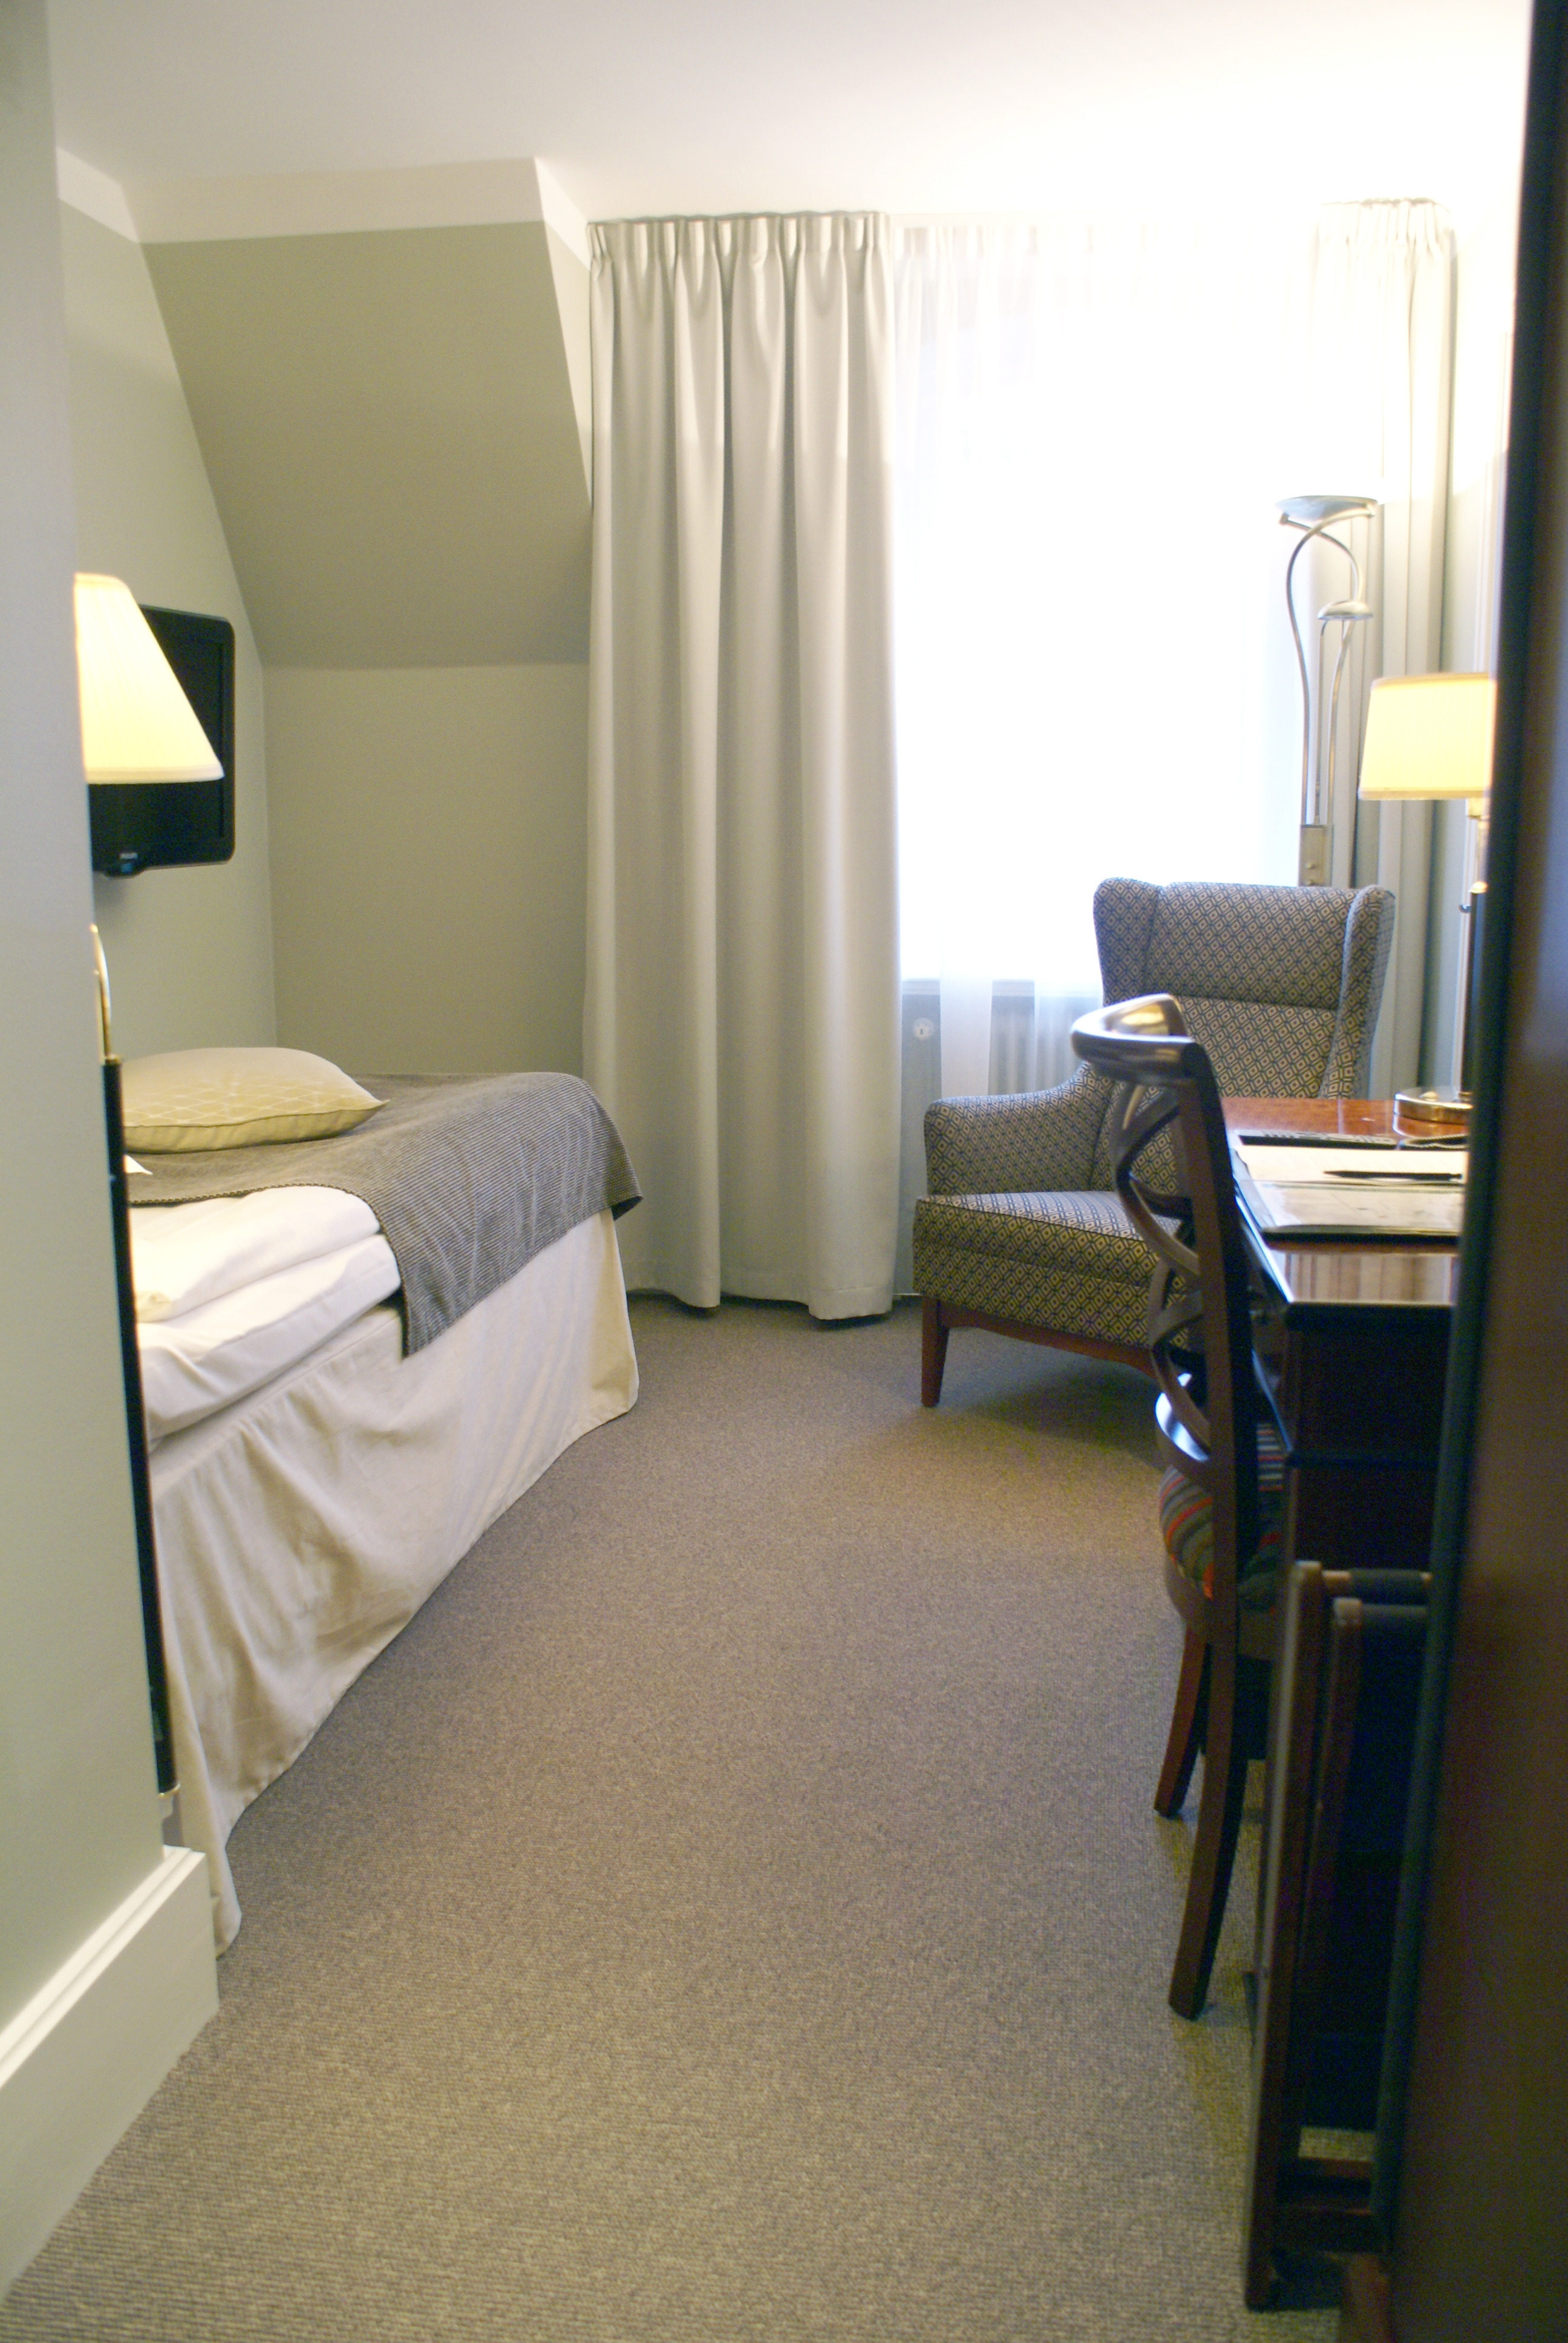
x=186, y=1099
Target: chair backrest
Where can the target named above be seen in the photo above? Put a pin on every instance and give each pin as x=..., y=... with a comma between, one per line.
x=1182, y=1202
x=1281, y=984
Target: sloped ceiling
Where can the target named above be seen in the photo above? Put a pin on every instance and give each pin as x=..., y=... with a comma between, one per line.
x=387, y=415
x=699, y=106
x=389, y=424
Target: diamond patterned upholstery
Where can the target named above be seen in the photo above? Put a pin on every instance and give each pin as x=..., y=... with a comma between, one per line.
x=1024, y=1255
x=1281, y=986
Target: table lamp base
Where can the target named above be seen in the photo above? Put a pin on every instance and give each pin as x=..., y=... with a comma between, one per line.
x=1439, y=1105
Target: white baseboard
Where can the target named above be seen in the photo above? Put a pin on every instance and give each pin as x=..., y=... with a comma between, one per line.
x=79, y=2063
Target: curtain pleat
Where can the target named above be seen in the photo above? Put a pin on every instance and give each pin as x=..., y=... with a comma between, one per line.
x=741, y=1019
x=1377, y=372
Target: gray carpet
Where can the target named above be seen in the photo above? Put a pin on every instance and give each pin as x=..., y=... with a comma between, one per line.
x=733, y=1908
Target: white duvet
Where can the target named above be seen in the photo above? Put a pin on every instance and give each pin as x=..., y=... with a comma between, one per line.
x=231, y=1291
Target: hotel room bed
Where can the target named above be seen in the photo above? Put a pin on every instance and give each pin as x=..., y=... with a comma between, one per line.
x=326, y=1445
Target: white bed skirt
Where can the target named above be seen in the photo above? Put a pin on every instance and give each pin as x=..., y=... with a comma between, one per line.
x=298, y=1529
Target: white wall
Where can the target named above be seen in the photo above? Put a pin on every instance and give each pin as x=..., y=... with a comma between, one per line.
x=80, y=1851
x=429, y=876
x=189, y=952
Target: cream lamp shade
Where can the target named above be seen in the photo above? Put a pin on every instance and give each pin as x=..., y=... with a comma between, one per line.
x=1430, y=736
x=137, y=723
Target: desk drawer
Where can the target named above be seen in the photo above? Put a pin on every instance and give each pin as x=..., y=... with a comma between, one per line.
x=1359, y=1517
x=1359, y=1404
x=1374, y=1387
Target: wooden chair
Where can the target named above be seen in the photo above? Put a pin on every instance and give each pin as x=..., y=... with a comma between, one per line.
x=1350, y=1688
x=1219, y=1496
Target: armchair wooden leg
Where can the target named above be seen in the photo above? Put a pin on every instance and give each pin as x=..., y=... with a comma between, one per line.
x=1186, y=1736
x=1225, y=1745
x=934, y=1350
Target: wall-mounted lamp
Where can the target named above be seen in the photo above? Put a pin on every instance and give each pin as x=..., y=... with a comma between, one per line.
x=136, y=726
x=137, y=723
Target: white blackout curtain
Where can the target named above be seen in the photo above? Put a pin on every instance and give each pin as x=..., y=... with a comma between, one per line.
x=1373, y=367
x=742, y=1021
x=1086, y=535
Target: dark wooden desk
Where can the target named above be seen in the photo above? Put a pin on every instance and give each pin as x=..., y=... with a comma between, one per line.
x=1353, y=1344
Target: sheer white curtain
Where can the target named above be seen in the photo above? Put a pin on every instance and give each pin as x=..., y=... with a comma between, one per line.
x=1086, y=547
x=742, y=1021
x=1371, y=368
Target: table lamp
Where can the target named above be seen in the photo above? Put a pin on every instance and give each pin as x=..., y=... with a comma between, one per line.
x=136, y=726
x=1430, y=736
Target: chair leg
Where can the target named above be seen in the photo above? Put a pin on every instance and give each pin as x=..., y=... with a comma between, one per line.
x=1187, y=1720
x=934, y=1350
x=1225, y=1748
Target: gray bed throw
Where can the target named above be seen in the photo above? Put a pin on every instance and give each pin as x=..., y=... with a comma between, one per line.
x=470, y=1176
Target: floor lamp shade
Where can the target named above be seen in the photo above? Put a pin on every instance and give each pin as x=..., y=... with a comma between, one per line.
x=137, y=723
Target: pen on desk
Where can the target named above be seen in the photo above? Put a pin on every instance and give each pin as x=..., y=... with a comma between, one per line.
x=1402, y=1174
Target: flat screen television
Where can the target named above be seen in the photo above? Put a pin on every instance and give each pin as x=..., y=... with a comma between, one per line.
x=156, y=825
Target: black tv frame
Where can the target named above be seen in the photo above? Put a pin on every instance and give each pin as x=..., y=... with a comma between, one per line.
x=166, y=825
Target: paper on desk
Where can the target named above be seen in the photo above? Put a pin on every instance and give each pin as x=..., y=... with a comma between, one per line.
x=1364, y=1211
x=1305, y=1167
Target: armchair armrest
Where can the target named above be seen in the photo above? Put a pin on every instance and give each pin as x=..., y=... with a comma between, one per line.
x=1035, y=1140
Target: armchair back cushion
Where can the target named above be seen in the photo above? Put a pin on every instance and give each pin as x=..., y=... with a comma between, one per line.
x=1287, y=977
x=1279, y=984
x=1274, y=982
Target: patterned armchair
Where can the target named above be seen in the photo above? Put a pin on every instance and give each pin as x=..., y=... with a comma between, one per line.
x=1021, y=1231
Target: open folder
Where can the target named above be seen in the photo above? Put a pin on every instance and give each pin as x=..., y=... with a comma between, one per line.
x=1363, y=1194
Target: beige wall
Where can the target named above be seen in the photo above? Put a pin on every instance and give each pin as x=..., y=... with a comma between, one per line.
x=428, y=828
x=571, y=283
x=189, y=952
x=78, y=1808
x=395, y=424
x=389, y=423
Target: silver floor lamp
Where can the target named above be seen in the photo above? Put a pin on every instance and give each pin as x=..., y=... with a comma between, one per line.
x=1316, y=518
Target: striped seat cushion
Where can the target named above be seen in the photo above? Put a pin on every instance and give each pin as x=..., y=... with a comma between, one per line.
x=1187, y=1525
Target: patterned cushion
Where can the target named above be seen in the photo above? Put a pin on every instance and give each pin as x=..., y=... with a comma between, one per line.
x=1038, y=1140
x=1069, y=1261
x=1257, y=1049
x=1316, y=949
x=1187, y=1525
x=1283, y=944
x=1082, y=1229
